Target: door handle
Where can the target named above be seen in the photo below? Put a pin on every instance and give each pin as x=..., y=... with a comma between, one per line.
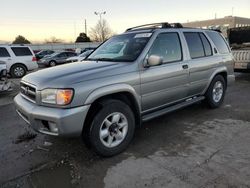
x=185, y=66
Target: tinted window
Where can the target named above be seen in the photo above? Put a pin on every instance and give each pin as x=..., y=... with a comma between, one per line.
x=21, y=51
x=69, y=54
x=167, y=46
x=206, y=44
x=195, y=45
x=219, y=42
x=62, y=55
x=4, y=52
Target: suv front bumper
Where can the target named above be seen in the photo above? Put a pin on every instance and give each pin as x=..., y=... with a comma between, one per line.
x=52, y=121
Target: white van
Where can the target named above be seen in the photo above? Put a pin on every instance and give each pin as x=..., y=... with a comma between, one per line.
x=19, y=59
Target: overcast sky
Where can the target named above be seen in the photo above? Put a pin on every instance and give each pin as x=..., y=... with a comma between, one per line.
x=38, y=20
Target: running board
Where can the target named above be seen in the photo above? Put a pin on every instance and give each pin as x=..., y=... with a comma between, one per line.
x=172, y=108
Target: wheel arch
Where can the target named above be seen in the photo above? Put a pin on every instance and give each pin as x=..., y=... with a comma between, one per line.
x=222, y=71
x=125, y=94
x=19, y=64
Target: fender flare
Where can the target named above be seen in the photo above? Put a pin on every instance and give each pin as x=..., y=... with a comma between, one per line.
x=112, y=89
x=217, y=71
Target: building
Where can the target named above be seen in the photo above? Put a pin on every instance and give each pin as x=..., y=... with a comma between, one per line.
x=221, y=23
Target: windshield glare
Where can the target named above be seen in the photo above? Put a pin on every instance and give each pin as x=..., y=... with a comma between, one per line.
x=126, y=47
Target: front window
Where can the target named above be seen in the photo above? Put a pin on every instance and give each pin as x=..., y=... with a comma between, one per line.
x=126, y=47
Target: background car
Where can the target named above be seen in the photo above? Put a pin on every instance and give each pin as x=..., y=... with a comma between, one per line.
x=19, y=59
x=79, y=57
x=87, y=49
x=44, y=53
x=55, y=59
x=5, y=85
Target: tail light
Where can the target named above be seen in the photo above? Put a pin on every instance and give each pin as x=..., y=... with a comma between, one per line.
x=34, y=58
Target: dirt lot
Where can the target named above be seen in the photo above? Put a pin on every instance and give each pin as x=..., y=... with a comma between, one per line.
x=193, y=147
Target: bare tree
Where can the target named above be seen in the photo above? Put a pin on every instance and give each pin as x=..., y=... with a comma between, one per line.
x=101, y=31
x=53, y=40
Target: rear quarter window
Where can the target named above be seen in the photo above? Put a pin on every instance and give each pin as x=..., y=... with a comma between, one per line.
x=4, y=52
x=219, y=42
x=21, y=51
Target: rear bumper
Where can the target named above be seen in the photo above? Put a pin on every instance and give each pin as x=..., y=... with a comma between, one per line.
x=42, y=64
x=67, y=122
x=242, y=66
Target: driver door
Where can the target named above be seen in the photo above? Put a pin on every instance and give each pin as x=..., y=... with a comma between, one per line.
x=166, y=83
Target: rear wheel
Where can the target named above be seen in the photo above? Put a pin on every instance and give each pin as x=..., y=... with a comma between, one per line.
x=216, y=92
x=112, y=129
x=18, y=71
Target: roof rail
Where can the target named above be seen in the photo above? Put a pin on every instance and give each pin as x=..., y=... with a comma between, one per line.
x=155, y=26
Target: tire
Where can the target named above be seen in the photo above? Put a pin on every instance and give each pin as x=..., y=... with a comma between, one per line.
x=18, y=71
x=52, y=63
x=116, y=122
x=216, y=92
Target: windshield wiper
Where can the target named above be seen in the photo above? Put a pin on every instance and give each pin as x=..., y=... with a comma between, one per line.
x=100, y=59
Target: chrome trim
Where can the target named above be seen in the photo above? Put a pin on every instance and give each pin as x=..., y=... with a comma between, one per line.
x=22, y=116
x=28, y=91
x=48, y=132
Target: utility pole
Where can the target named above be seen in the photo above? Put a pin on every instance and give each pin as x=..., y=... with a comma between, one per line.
x=232, y=11
x=85, y=25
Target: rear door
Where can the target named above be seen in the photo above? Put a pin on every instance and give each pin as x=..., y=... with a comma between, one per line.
x=167, y=83
x=202, y=63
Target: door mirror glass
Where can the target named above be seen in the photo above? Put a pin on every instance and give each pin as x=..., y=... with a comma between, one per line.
x=154, y=60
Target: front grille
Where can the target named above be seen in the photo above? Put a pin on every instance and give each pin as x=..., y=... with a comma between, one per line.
x=28, y=92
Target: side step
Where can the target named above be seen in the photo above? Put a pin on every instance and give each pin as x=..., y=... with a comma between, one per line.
x=172, y=108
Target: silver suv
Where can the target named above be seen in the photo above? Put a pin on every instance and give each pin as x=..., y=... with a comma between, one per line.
x=144, y=73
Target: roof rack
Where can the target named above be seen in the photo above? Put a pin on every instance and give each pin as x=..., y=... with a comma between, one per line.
x=156, y=26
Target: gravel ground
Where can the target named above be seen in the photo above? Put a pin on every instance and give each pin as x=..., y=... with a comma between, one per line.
x=193, y=147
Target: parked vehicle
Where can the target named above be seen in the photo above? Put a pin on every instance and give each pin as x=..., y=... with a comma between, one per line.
x=239, y=39
x=44, y=53
x=80, y=57
x=5, y=85
x=55, y=59
x=87, y=49
x=159, y=68
x=19, y=59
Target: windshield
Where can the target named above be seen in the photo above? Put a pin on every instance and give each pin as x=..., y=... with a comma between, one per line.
x=126, y=47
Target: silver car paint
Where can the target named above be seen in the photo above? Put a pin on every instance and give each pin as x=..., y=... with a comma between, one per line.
x=151, y=87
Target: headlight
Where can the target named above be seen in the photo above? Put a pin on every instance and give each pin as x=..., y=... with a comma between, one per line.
x=57, y=96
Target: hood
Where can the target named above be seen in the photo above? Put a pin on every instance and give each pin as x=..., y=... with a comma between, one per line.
x=65, y=75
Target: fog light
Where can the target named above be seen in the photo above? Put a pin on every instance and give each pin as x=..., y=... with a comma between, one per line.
x=52, y=127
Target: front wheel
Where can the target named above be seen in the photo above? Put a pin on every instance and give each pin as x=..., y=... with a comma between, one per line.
x=112, y=128
x=216, y=92
x=52, y=63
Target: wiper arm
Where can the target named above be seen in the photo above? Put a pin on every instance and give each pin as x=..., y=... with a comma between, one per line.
x=101, y=59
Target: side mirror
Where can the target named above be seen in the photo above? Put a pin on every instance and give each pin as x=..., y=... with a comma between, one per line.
x=154, y=60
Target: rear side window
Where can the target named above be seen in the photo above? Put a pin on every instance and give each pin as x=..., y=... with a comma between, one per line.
x=4, y=52
x=219, y=42
x=206, y=44
x=21, y=51
x=195, y=45
x=167, y=46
